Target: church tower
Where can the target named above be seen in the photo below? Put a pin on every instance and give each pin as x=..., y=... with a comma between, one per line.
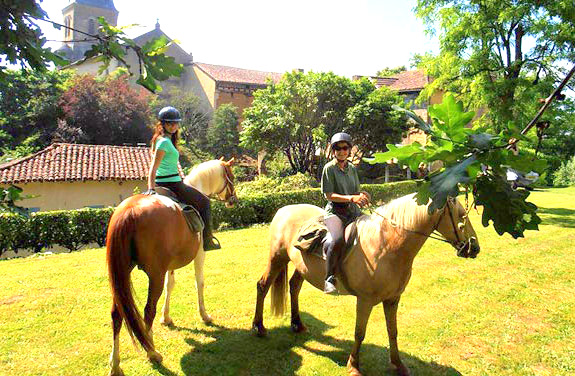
x=82, y=15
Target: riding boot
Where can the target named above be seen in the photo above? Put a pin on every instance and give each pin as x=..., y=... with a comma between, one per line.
x=330, y=280
x=210, y=241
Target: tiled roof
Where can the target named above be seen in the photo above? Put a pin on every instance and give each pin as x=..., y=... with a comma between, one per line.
x=222, y=73
x=77, y=162
x=409, y=80
x=413, y=80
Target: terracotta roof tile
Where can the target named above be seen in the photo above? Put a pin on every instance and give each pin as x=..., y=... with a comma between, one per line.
x=413, y=80
x=222, y=73
x=78, y=162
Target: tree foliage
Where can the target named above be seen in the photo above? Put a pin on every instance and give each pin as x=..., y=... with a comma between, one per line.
x=29, y=106
x=107, y=111
x=297, y=116
x=473, y=159
x=387, y=71
x=223, y=136
x=499, y=55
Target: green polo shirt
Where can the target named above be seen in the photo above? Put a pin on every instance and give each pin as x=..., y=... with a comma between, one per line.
x=343, y=182
x=169, y=164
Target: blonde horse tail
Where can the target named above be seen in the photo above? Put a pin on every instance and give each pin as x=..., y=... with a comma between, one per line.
x=121, y=247
x=279, y=292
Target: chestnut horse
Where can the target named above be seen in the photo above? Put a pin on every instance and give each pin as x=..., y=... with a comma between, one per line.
x=150, y=232
x=376, y=270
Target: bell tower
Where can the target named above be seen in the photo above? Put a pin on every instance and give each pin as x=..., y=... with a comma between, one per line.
x=82, y=16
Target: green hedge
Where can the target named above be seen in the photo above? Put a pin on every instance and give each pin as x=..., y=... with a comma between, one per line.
x=75, y=228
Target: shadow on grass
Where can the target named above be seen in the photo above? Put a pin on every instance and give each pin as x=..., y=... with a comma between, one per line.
x=558, y=216
x=218, y=350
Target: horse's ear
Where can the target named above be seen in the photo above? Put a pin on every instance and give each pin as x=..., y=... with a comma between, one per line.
x=222, y=158
x=231, y=161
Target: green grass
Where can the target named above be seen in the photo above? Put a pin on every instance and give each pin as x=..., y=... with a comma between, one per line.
x=511, y=311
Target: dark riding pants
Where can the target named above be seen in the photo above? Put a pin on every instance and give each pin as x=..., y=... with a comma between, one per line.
x=191, y=196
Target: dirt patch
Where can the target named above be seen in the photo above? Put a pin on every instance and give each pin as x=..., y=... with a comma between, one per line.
x=11, y=300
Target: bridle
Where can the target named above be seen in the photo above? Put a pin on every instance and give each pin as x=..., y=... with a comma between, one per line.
x=228, y=185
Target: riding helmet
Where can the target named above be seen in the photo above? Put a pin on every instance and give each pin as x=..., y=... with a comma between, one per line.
x=341, y=137
x=169, y=114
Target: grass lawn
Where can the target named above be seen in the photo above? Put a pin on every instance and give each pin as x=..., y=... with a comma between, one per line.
x=511, y=311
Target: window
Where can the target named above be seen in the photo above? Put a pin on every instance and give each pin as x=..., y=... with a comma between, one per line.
x=95, y=206
x=91, y=26
x=68, y=24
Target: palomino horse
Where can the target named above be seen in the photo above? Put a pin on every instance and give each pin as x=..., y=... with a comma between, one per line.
x=151, y=233
x=376, y=270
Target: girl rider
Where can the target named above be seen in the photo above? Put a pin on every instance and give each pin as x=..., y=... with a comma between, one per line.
x=164, y=171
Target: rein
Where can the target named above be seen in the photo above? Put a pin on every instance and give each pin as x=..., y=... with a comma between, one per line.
x=432, y=234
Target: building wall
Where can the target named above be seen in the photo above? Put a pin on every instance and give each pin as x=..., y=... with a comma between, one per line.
x=80, y=15
x=240, y=100
x=77, y=195
x=203, y=86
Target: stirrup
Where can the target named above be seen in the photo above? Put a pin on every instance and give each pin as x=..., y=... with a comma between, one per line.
x=212, y=244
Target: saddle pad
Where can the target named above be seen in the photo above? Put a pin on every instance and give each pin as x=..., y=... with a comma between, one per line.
x=190, y=213
x=311, y=237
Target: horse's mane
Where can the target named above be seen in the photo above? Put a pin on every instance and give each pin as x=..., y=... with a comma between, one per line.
x=402, y=212
x=204, y=171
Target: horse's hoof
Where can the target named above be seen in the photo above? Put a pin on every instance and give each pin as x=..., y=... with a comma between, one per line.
x=116, y=372
x=207, y=319
x=155, y=357
x=353, y=370
x=259, y=330
x=167, y=322
x=298, y=327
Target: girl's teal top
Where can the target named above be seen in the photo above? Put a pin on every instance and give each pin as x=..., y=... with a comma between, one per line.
x=169, y=164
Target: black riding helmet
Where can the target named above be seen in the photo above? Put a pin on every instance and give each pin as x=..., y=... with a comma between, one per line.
x=169, y=114
x=341, y=137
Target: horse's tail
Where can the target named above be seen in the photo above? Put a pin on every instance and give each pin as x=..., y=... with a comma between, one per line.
x=279, y=292
x=121, y=247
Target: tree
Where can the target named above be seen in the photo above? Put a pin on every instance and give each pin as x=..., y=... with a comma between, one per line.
x=223, y=136
x=22, y=42
x=499, y=55
x=29, y=107
x=297, y=115
x=387, y=71
x=107, y=111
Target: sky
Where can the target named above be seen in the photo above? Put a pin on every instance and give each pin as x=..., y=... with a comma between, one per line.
x=347, y=37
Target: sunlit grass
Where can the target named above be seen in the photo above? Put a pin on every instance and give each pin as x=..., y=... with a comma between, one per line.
x=511, y=311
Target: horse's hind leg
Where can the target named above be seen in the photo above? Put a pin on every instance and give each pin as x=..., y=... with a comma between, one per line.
x=168, y=287
x=199, y=269
x=390, y=309
x=295, y=284
x=363, y=310
x=155, y=286
x=115, y=369
x=275, y=266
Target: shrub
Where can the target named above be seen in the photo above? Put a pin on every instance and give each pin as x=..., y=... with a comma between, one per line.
x=268, y=184
x=565, y=175
x=75, y=228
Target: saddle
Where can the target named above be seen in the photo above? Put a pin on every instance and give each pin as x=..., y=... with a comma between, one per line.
x=313, y=237
x=192, y=216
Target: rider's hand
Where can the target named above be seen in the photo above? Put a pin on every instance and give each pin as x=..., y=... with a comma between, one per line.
x=150, y=192
x=360, y=199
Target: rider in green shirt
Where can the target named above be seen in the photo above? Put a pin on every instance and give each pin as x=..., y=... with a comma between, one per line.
x=340, y=186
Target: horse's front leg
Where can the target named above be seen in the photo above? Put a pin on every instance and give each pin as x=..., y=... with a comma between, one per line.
x=363, y=310
x=390, y=309
x=199, y=269
x=168, y=287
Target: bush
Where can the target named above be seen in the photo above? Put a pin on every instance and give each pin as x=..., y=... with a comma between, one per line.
x=75, y=228
x=565, y=175
x=267, y=184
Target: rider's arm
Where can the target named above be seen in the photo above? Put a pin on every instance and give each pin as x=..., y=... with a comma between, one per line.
x=154, y=164
x=356, y=199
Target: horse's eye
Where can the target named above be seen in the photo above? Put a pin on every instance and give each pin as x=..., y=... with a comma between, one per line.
x=460, y=226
